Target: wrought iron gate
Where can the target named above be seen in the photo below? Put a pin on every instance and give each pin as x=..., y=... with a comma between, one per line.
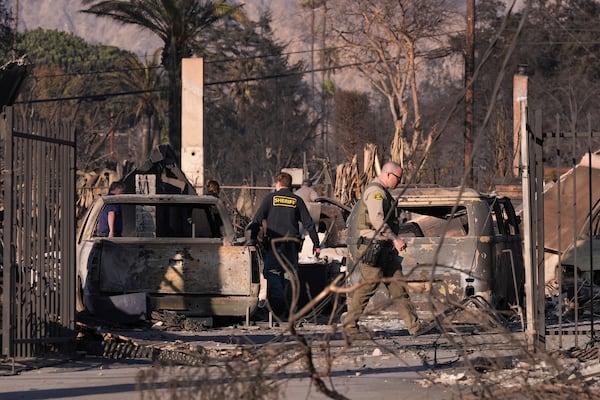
x=566, y=269
x=38, y=193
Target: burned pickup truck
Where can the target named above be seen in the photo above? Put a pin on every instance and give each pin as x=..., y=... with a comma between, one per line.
x=177, y=253
x=461, y=244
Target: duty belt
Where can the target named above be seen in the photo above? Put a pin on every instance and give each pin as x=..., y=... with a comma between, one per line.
x=366, y=241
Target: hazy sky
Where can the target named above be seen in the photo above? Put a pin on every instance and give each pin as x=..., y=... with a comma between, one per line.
x=290, y=22
x=64, y=15
x=291, y=25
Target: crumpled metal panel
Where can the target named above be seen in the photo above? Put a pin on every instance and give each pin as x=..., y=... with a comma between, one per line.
x=166, y=267
x=581, y=256
x=437, y=274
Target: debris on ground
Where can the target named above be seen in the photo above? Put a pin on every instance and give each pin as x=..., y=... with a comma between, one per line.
x=547, y=376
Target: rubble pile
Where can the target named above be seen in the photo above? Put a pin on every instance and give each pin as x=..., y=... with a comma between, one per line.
x=172, y=321
x=574, y=374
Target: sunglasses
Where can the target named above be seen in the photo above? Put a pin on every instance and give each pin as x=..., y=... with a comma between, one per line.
x=397, y=177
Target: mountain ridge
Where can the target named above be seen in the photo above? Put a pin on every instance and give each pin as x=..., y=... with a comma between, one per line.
x=66, y=15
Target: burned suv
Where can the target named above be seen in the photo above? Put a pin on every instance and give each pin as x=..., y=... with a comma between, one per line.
x=461, y=244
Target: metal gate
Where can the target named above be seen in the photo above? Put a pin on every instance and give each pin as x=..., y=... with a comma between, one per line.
x=564, y=231
x=38, y=193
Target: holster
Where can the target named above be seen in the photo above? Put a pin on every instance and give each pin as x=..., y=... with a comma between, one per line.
x=374, y=250
x=372, y=253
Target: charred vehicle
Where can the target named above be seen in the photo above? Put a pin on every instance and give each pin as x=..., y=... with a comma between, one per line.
x=572, y=235
x=315, y=274
x=461, y=244
x=176, y=253
x=580, y=267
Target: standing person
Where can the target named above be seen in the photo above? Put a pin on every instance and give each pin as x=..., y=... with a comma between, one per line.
x=309, y=195
x=306, y=191
x=111, y=219
x=213, y=188
x=283, y=212
x=378, y=250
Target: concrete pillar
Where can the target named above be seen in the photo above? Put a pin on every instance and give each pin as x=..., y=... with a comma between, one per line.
x=520, y=82
x=192, y=121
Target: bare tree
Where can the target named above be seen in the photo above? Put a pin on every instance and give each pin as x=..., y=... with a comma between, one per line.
x=385, y=39
x=351, y=121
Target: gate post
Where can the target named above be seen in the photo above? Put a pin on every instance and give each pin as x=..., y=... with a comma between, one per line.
x=533, y=242
x=6, y=128
x=530, y=331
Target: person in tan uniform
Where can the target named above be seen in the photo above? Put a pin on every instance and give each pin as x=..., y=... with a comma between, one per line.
x=306, y=191
x=378, y=249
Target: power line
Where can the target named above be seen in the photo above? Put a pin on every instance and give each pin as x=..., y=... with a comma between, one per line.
x=206, y=61
x=233, y=59
x=90, y=97
x=266, y=77
x=108, y=71
x=104, y=96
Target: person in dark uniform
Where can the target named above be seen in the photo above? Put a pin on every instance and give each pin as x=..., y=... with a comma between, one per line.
x=213, y=188
x=379, y=246
x=283, y=211
x=111, y=219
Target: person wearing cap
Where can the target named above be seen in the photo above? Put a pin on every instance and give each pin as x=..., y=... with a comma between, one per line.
x=283, y=212
x=306, y=191
x=379, y=247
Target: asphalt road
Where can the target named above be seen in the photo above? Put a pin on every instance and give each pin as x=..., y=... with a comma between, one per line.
x=271, y=363
x=393, y=365
x=108, y=379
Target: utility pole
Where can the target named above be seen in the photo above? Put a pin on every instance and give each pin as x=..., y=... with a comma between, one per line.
x=313, y=5
x=312, y=59
x=16, y=27
x=324, y=104
x=469, y=70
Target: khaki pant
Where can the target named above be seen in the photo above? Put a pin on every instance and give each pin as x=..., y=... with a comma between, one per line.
x=389, y=265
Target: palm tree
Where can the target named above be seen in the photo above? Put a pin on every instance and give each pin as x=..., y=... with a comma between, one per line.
x=180, y=25
x=145, y=76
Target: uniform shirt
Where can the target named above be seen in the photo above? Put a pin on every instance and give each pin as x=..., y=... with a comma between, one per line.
x=377, y=201
x=307, y=194
x=283, y=210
